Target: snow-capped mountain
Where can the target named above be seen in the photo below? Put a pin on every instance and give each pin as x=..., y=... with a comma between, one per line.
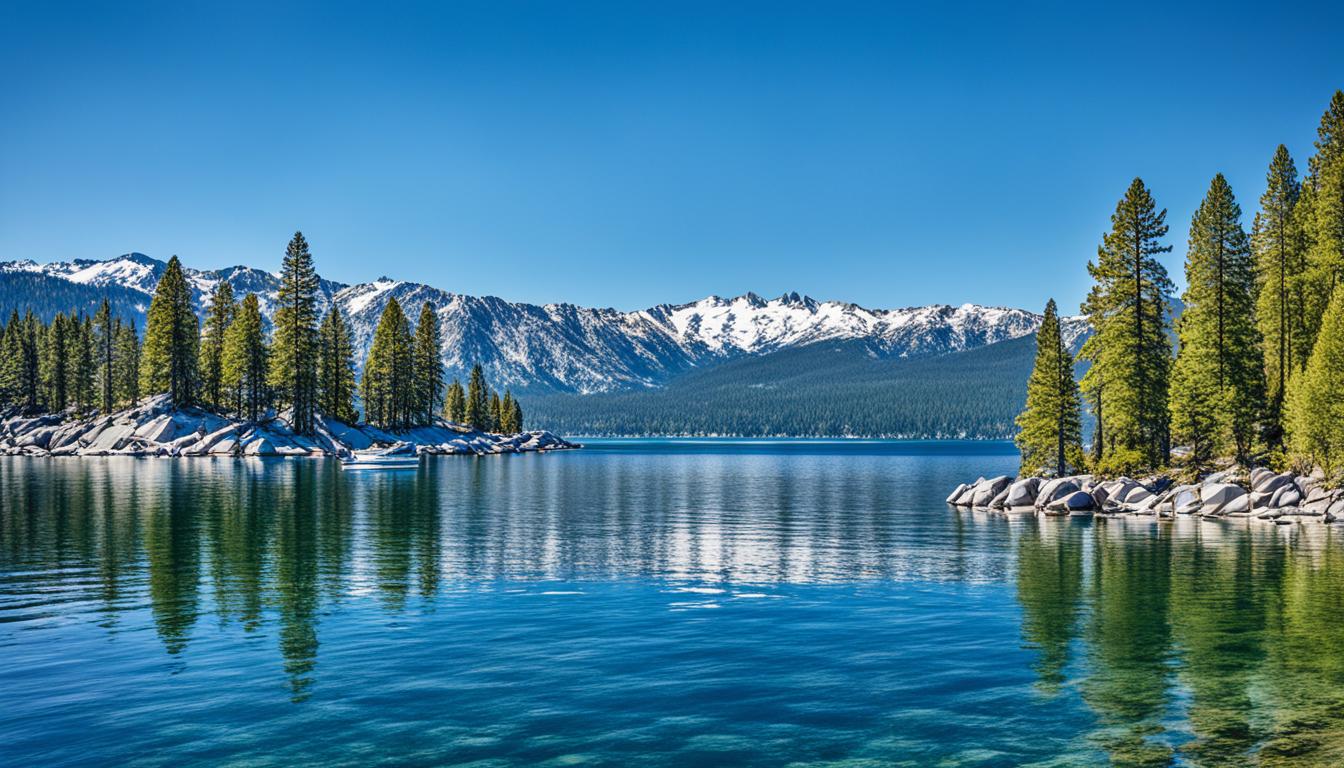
x=567, y=348
x=141, y=273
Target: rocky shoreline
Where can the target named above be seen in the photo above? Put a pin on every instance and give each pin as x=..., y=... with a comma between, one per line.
x=1264, y=494
x=156, y=428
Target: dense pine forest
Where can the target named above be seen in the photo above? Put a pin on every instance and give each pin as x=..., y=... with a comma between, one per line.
x=843, y=388
x=1257, y=370
x=84, y=362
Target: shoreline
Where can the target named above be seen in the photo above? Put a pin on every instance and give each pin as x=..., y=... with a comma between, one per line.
x=156, y=428
x=1264, y=494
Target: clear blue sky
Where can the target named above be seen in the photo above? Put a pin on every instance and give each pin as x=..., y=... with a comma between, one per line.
x=631, y=153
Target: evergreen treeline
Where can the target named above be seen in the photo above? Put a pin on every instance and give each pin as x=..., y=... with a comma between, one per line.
x=819, y=390
x=81, y=363
x=1259, y=366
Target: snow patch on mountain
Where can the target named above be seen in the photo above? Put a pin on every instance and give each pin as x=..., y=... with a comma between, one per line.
x=564, y=347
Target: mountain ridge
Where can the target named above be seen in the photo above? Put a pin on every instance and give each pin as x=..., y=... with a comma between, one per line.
x=564, y=347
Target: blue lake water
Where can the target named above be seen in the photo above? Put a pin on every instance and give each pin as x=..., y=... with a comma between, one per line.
x=660, y=602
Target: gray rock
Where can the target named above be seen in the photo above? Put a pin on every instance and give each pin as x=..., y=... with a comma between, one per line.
x=987, y=490
x=1055, y=489
x=1217, y=495
x=956, y=493
x=259, y=447
x=1077, y=501
x=1286, y=496
x=1023, y=492
x=998, y=502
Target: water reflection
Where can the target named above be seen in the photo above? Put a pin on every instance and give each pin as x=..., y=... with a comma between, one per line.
x=1185, y=642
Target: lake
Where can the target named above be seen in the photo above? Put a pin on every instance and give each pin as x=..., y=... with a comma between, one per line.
x=666, y=602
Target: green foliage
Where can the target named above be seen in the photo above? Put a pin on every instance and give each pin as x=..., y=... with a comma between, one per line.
x=126, y=365
x=168, y=359
x=455, y=403
x=11, y=361
x=336, y=368
x=388, y=382
x=496, y=415
x=56, y=364
x=1316, y=401
x=477, y=411
x=1130, y=352
x=293, y=372
x=82, y=365
x=510, y=415
x=428, y=367
x=1218, y=399
x=1322, y=215
x=1281, y=305
x=218, y=317
x=1050, y=435
x=246, y=362
x=823, y=389
x=105, y=329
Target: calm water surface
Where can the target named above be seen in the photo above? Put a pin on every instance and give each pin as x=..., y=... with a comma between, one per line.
x=651, y=602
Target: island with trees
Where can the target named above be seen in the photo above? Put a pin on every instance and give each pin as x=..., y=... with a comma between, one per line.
x=233, y=384
x=1240, y=411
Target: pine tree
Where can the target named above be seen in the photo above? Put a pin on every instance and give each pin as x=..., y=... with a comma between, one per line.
x=11, y=361
x=293, y=371
x=388, y=383
x=428, y=366
x=1280, y=306
x=506, y=424
x=1050, y=435
x=1128, y=307
x=495, y=412
x=455, y=403
x=127, y=376
x=218, y=317
x=82, y=364
x=477, y=411
x=336, y=368
x=105, y=328
x=1320, y=211
x=168, y=359
x=244, y=372
x=30, y=382
x=56, y=364
x=516, y=419
x=1316, y=401
x=1218, y=336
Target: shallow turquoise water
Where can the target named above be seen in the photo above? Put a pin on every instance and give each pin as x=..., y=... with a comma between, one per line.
x=649, y=602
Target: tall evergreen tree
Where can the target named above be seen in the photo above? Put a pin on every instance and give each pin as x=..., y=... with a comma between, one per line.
x=172, y=337
x=1320, y=211
x=428, y=366
x=1050, y=435
x=455, y=403
x=1128, y=307
x=495, y=412
x=244, y=372
x=1281, y=305
x=1316, y=402
x=218, y=318
x=127, y=376
x=82, y=364
x=30, y=382
x=506, y=423
x=388, y=383
x=336, y=368
x=477, y=411
x=11, y=361
x=516, y=417
x=56, y=364
x=293, y=372
x=1220, y=364
x=105, y=328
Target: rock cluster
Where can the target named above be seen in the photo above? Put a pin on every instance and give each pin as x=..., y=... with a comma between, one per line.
x=156, y=428
x=1265, y=495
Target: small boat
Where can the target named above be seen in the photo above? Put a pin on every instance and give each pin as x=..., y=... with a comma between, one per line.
x=400, y=456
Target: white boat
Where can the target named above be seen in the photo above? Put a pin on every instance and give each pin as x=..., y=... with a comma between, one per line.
x=402, y=456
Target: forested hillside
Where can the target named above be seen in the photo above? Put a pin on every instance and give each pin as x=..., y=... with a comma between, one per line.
x=831, y=388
